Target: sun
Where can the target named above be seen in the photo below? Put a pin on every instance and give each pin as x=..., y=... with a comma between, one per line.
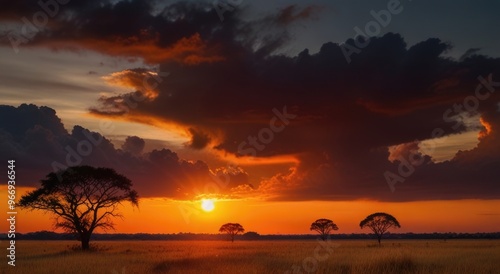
x=207, y=205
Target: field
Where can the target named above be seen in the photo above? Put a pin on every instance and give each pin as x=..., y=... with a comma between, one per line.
x=338, y=256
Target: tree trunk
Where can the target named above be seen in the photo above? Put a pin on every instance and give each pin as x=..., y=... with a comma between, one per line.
x=85, y=239
x=378, y=239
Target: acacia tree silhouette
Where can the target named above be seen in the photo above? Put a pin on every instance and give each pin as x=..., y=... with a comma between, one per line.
x=231, y=229
x=379, y=223
x=82, y=198
x=323, y=227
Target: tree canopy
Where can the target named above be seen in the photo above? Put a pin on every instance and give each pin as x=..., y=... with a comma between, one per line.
x=82, y=198
x=231, y=229
x=323, y=227
x=379, y=223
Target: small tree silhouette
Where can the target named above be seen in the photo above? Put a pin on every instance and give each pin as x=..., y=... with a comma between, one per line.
x=323, y=227
x=379, y=223
x=231, y=229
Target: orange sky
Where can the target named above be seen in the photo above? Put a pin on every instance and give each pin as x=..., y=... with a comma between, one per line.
x=165, y=216
x=177, y=100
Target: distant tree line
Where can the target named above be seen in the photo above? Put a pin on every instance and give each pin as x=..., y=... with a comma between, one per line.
x=49, y=235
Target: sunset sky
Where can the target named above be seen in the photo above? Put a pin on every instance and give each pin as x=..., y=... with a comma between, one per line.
x=281, y=113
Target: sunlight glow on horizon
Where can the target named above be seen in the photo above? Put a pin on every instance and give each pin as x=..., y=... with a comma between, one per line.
x=156, y=215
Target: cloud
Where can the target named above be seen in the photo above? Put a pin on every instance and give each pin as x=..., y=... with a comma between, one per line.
x=294, y=13
x=190, y=50
x=136, y=79
x=390, y=95
x=143, y=83
x=469, y=53
x=184, y=32
x=130, y=29
x=199, y=139
x=134, y=145
x=40, y=144
x=227, y=79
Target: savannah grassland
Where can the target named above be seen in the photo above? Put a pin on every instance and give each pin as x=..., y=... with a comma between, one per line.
x=347, y=256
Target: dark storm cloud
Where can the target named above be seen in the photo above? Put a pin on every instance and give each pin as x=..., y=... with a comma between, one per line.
x=226, y=79
x=293, y=13
x=199, y=139
x=134, y=145
x=184, y=32
x=389, y=94
x=38, y=142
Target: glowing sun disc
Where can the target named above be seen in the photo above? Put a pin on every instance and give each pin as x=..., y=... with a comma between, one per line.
x=207, y=205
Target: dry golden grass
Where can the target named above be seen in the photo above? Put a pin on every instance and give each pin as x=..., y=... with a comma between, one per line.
x=346, y=256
